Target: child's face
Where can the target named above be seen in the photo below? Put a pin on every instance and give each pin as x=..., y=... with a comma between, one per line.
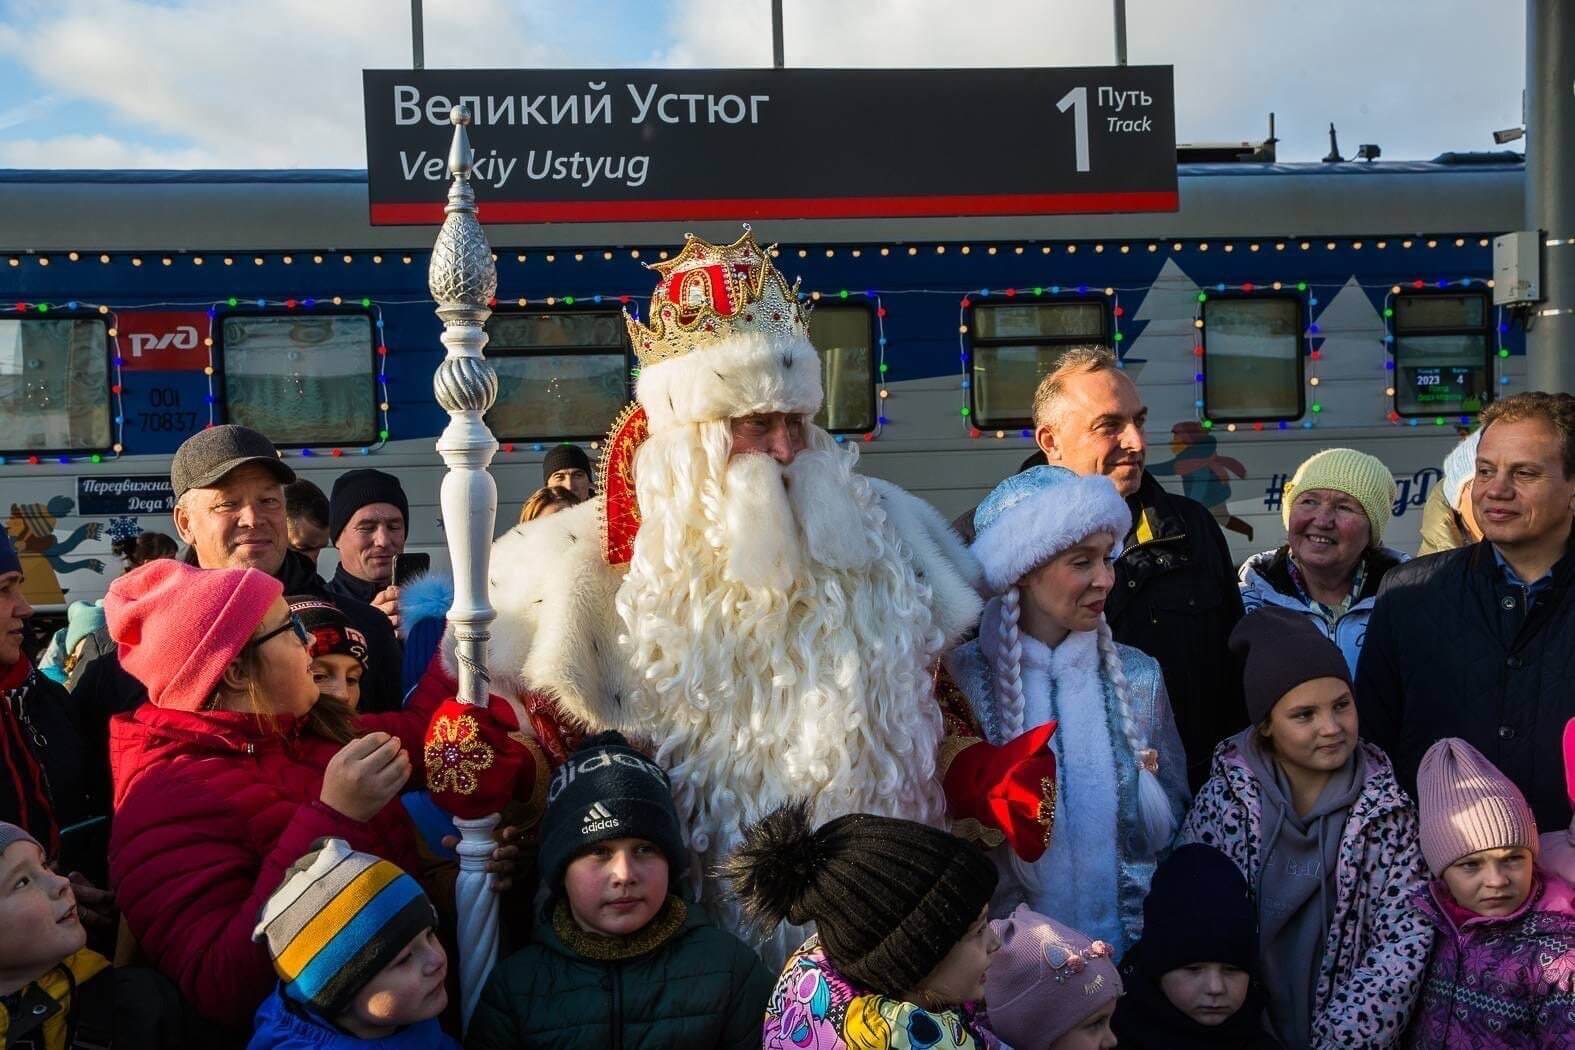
x=1092, y=1033
x=339, y=675
x=1208, y=992
x=1491, y=881
x=959, y=978
x=405, y=992
x=617, y=886
x=38, y=913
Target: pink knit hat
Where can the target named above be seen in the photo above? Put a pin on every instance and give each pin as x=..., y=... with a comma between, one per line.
x=178, y=627
x=1467, y=805
x=1569, y=760
x=1046, y=979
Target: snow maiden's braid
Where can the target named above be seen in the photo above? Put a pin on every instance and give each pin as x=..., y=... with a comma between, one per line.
x=1009, y=665
x=1159, y=823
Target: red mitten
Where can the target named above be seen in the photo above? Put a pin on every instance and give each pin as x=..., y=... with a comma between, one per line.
x=471, y=763
x=1011, y=787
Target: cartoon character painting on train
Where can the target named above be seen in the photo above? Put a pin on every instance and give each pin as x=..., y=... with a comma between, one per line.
x=1205, y=474
x=43, y=554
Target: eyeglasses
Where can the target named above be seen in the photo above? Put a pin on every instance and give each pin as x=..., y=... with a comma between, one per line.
x=292, y=624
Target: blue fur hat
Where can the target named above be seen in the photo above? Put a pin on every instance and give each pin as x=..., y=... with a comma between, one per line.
x=1031, y=517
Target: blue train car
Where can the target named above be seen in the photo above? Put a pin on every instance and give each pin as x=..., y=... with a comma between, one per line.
x=1284, y=309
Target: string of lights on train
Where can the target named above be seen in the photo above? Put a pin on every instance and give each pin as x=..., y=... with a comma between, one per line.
x=875, y=296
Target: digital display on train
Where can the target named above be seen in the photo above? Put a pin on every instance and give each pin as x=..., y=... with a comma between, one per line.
x=1443, y=388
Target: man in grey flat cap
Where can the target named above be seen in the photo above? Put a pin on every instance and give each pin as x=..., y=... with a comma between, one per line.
x=229, y=509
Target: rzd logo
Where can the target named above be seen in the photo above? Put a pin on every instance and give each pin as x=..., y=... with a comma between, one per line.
x=183, y=337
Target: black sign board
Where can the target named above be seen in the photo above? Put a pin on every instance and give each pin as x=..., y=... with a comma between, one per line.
x=635, y=145
x=127, y=494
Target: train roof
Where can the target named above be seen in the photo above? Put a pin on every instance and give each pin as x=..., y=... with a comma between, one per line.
x=259, y=210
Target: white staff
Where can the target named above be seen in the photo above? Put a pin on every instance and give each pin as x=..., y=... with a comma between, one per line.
x=463, y=280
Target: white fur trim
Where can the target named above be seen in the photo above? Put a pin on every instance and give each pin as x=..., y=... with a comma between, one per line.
x=940, y=559
x=557, y=630
x=1042, y=526
x=751, y=372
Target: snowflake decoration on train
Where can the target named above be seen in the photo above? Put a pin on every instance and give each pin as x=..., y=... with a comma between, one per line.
x=123, y=528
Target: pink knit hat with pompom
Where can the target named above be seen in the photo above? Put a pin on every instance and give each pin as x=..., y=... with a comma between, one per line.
x=179, y=627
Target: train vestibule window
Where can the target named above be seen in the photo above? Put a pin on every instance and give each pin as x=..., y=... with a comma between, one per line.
x=302, y=379
x=1443, y=353
x=844, y=337
x=1253, y=358
x=54, y=385
x=1016, y=344
x=563, y=373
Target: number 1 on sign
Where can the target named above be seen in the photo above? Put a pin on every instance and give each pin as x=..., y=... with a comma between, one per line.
x=1077, y=101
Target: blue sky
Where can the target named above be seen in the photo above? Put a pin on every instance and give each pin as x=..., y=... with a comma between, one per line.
x=276, y=83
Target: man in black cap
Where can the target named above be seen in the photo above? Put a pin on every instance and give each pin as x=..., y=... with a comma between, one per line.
x=230, y=510
x=368, y=521
x=567, y=467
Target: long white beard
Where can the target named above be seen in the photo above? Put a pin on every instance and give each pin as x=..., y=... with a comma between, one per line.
x=780, y=638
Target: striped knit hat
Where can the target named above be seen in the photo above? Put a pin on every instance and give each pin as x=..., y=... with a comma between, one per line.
x=1466, y=805
x=338, y=918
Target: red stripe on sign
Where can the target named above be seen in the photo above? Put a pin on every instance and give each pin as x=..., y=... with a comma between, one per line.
x=425, y=213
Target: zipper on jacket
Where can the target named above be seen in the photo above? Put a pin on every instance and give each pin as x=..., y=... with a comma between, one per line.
x=617, y=1007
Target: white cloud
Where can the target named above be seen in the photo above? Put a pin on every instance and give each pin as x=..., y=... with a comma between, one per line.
x=268, y=83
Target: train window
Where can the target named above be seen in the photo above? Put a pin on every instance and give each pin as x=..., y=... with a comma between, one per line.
x=54, y=385
x=844, y=336
x=302, y=379
x=1252, y=358
x=1443, y=353
x=562, y=374
x=1016, y=344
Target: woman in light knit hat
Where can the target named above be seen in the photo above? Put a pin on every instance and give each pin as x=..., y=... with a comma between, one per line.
x=1315, y=820
x=1047, y=540
x=1328, y=569
x=1502, y=972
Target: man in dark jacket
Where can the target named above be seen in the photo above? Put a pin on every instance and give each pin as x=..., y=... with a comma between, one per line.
x=230, y=510
x=1479, y=642
x=368, y=522
x=1175, y=596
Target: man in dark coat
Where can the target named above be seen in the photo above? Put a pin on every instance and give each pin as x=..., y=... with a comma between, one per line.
x=230, y=510
x=1479, y=642
x=1175, y=596
x=368, y=523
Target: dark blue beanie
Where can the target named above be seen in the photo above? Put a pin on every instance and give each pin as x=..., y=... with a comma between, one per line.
x=9, y=562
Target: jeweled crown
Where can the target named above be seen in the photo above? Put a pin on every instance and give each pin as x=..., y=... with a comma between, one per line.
x=709, y=293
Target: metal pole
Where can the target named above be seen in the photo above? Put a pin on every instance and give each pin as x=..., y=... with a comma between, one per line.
x=777, y=61
x=463, y=280
x=1550, y=189
x=1121, y=32
x=418, y=55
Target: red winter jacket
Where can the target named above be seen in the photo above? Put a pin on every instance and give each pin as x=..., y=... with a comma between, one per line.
x=210, y=809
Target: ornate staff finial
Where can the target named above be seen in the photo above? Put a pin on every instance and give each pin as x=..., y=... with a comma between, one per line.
x=463, y=281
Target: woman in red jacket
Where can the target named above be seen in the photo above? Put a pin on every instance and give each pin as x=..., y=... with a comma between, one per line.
x=232, y=770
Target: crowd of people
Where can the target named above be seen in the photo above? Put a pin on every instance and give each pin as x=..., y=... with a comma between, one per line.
x=798, y=767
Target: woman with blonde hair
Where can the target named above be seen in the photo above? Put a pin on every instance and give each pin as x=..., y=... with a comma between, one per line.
x=549, y=499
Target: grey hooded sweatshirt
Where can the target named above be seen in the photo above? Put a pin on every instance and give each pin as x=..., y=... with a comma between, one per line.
x=1296, y=889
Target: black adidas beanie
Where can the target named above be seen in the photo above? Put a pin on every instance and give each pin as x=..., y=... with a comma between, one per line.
x=608, y=790
x=889, y=897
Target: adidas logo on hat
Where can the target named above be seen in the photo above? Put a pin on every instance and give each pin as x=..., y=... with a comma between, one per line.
x=597, y=818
